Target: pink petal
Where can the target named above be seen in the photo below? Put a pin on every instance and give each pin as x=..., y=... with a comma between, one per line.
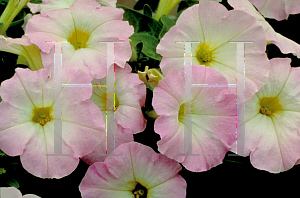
x=284, y=44
x=210, y=105
x=278, y=10
x=80, y=134
x=274, y=142
x=61, y=23
x=198, y=24
x=129, y=119
x=10, y=192
x=119, y=174
x=96, y=154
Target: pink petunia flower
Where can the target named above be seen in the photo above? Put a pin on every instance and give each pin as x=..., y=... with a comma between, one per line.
x=213, y=115
x=27, y=121
x=214, y=26
x=284, y=44
x=272, y=120
x=130, y=96
x=12, y=192
x=80, y=28
x=277, y=9
x=139, y=173
x=50, y=5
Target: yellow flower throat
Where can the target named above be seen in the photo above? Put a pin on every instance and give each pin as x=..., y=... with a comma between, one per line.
x=79, y=38
x=269, y=106
x=42, y=115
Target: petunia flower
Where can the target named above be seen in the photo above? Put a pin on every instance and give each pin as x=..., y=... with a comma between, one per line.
x=50, y=5
x=130, y=96
x=11, y=10
x=211, y=24
x=28, y=53
x=27, y=121
x=213, y=116
x=166, y=6
x=284, y=44
x=277, y=9
x=83, y=25
x=12, y=192
x=140, y=172
x=272, y=120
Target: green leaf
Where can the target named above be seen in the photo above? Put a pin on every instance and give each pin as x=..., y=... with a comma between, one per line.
x=149, y=44
x=15, y=23
x=147, y=10
x=167, y=24
x=1, y=24
x=191, y=2
x=233, y=161
x=2, y=171
x=0, y=101
x=146, y=32
x=3, y=2
x=36, y=1
x=141, y=22
x=2, y=154
x=12, y=182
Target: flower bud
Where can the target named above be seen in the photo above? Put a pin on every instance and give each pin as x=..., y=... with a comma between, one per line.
x=151, y=76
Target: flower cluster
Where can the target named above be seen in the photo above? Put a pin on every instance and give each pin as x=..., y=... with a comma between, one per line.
x=82, y=95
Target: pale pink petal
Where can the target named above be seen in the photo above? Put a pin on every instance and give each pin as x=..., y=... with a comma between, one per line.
x=97, y=155
x=284, y=44
x=277, y=9
x=132, y=96
x=213, y=118
x=30, y=196
x=294, y=7
x=100, y=24
x=129, y=119
x=80, y=134
x=10, y=192
x=273, y=142
x=197, y=23
x=131, y=93
x=118, y=175
x=168, y=188
x=35, y=161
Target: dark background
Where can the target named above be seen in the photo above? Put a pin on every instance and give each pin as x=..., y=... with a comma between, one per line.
x=229, y=178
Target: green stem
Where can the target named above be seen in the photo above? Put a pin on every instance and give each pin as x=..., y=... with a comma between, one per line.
x=165, y=7
x=12, y=9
